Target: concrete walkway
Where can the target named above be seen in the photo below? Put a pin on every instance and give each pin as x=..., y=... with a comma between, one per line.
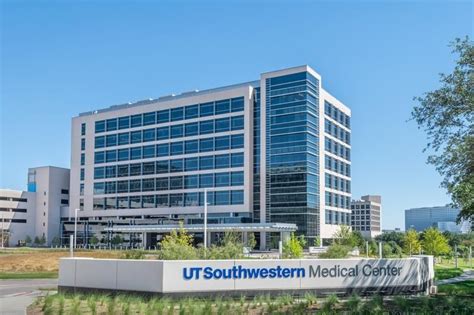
x=467, y=275
x=16, y=295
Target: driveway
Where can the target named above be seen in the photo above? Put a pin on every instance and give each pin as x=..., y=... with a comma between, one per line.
x=16, y=295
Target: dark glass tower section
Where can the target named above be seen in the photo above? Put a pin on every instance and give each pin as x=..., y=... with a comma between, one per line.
x=292, y=151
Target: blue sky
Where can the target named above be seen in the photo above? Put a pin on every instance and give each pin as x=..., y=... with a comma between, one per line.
x=59, y=59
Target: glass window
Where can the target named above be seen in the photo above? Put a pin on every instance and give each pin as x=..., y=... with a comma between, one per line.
x=136, y=121
x=111, y=140
x=222, y=124
x=192, y=146
x=111, y=156
x=148, y=151
x=162, y=150
x=237, y=104
x=206, y=180
x=192, y=111
x=124, y=122
x=206, y=109
x=149, y=135
x=222, y=107
x=206, y=145
x=124, y=138
x=98, y=204
x=206, y=127
x=148, y=201
x=176, y=131
x=222, y=161
x=210, y=198
x=176, y=165
x=82, y=174
x=163, y=116
x=148, y=184
x=122, y=186
x=99, y=172
x=176, y=182
x=176, y=200
x=221, y=143
x=111, y=171
x=148, y=168
x=162, y=167
x=110, y=187
x=135, y=153
x=99, y=157
x=83, y=159
x=135, y=185
x=237, y=178
x=191, y=164
x=191, y=181
x=83, y=144
x=83, y=129
x=123, y=155
x=112, y=124
x=135, y=202
x=122, y=170
x=237, y=197
x=176, y=148
x=191, y=199
x=149, y=119
x=237, y=122
x=100, y=126
x=162, y=133
x=99, y=142
x=221, y=198
x=162, y=201
x=81, y=189
x=206, y=162
x=237, y=160
x=222, y=179
x=136, y=136
x=162, y=183
x=237, y=141
x=191, y=129
x=177, y=114
x=135, y=169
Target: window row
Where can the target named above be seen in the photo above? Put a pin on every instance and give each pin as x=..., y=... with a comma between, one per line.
x=194, y=199
x=337, y=114
x=171, y=132
x=175, y=114
x=337, y=132
x=170, y=166
x=14, y=199
x=336, y=200
x=363, y=206
x=336, y=148
x=337, y=217
x=170, y=149
x=224, y=179
x=337, y=183
x=337, y=166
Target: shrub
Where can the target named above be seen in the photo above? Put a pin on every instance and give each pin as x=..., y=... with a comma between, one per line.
x=178, y=245
x=330, y=303
x=336, y=251
x=133, y=254
x=293, y=247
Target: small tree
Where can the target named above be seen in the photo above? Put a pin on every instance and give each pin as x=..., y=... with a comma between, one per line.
x=94, y=240
x=178, y=245
x=411, y=243
x=42, y=240
x=293, y=247
x=434, y=243
x=28, y=240
x=336, y=251
x=56, y=241
x=343, y=236
x=251, y=242
x=317, y=241
x=37, y=241
x=116, y=240
x=231, y=248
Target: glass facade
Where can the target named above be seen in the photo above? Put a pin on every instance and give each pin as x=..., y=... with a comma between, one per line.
x=292, y=155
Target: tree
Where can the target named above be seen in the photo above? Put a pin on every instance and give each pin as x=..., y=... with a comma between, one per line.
x=434, y=242
x=251, y=242
x=56, y=241
x=37, y=241
x=336, y=251
x=293, y=247
x=116, y=240
x=447, y=117
x=94, y=240
x=28, y=240
x=386, y=237
x=178, y=245
x=411, y=243
x=42, y=240
x=230, y=248
x=343, y=236
x=317, y=241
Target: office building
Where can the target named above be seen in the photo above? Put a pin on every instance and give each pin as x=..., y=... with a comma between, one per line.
x=275, y=150
x=442, y=217
x=366, y=215
x=35, y=212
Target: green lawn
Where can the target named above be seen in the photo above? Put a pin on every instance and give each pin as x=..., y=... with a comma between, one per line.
x=28, y=275
x=447, y=272
x=462, y=288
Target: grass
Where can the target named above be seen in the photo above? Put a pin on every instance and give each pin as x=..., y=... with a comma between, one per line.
x=459, y=288
x=29, y=275
x=442, y=272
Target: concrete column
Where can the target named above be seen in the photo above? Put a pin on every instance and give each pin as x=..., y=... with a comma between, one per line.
x=284, y=236
x=144, y=240
x=209, y=234
x=244, y=238
x=263, y=241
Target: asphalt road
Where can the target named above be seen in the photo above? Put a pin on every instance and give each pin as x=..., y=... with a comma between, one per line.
x=16, y=295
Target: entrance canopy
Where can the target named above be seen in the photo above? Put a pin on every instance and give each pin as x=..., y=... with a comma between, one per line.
x=230, y=227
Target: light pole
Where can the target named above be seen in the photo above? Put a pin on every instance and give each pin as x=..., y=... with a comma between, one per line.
x=205, y=221
x=3, y=227
x=75, y=227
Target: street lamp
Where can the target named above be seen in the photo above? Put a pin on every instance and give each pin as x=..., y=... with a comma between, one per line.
x=205, y=220
x=75, y=227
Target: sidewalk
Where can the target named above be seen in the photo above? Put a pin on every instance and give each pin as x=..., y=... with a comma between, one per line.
x=467, y=275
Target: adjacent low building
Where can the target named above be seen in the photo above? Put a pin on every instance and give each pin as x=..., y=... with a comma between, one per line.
x=366, y=215
x=442, y=217
x=35, y=212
